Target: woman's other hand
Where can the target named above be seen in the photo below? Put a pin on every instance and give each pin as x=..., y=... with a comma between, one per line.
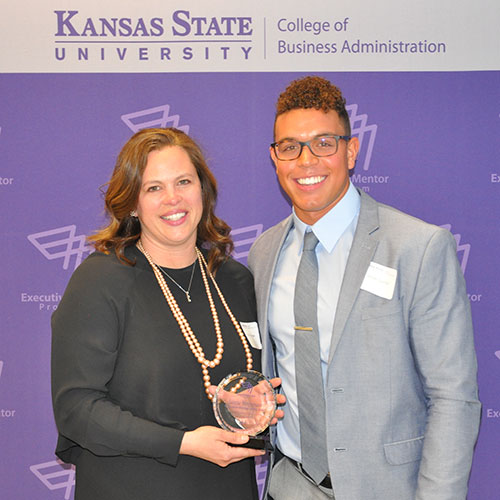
x=211, y=443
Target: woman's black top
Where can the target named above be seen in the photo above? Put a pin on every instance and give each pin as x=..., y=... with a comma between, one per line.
x=126, y=386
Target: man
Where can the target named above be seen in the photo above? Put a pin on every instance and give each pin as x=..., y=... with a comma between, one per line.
x=393, y=412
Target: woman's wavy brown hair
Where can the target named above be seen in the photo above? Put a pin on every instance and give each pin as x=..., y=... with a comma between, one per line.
x=123, y=189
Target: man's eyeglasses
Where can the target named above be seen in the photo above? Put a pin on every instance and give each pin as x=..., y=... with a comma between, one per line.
x=324, y=145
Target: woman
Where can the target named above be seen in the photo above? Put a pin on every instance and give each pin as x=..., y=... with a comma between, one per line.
x=143, y=331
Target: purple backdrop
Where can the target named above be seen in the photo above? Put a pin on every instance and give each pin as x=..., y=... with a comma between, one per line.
x=430, y=143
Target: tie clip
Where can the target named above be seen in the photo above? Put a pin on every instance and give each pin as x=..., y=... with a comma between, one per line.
x=305, y=328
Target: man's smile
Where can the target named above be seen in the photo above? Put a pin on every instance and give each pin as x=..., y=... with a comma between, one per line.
x=309, y=181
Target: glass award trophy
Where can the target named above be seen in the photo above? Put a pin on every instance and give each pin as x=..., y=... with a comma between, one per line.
x=245, y=402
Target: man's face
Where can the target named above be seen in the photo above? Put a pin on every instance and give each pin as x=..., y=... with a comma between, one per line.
x=314, y=184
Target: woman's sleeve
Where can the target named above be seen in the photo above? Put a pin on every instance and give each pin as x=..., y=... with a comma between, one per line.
x=85, y=340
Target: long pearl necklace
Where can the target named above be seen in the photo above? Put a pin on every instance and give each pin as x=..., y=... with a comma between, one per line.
x=186, y=330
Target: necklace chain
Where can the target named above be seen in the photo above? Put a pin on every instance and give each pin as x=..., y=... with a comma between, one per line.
x=186, y=330
x=188, y=295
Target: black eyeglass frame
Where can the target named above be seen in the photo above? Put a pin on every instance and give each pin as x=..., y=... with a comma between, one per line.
x=308, y=144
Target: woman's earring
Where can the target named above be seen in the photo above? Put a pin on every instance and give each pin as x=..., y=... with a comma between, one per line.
x=133, y=213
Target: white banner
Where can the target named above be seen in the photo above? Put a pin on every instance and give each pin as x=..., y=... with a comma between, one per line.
x=253, y=35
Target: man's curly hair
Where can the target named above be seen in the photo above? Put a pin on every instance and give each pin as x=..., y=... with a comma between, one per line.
x=313, y=92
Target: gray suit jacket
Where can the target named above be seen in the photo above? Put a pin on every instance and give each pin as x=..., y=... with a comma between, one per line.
x=401, y=392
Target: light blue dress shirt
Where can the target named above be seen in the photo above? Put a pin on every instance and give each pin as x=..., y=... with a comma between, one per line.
x=335, y=232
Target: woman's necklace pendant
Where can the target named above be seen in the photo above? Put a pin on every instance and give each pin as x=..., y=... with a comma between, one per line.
x=188, y=297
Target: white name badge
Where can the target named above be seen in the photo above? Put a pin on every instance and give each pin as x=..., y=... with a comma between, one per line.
x=252, y=332
x=380, y=280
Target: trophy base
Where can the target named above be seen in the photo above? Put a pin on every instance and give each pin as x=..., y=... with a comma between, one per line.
x=258, y=443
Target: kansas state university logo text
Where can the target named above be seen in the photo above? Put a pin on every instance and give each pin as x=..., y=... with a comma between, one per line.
x=177, y=37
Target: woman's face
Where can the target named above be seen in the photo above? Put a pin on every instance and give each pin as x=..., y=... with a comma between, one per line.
x=170, y=203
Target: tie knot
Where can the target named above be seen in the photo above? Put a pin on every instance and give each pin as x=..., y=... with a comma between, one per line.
x=310, y=241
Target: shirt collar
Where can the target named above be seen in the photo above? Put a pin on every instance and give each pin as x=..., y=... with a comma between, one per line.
x=332, y=225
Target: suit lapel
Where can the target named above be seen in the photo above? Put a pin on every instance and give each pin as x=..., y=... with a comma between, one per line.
x=363, y=247
x=268, y=260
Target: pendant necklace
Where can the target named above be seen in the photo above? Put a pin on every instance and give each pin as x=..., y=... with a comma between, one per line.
x=186, y=330
x=188, y=295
